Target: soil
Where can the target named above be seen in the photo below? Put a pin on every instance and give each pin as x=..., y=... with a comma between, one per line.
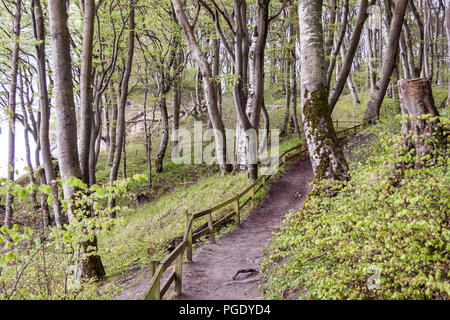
x=213, y=272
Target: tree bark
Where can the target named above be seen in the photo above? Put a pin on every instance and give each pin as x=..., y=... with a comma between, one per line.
x=91, y=265
x=86, y=88
x=121, y=127
x=420, y=136
x=327, y=158
x=12, y=111
x=208, y=86
x=44, y=103
x=347, y=64
x=165, y=135
x=447, y=23
x=372, y=113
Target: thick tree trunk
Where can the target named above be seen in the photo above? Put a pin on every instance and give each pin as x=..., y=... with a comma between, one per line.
x=12, y=111
x=420, y=136
x=416, y=100
x=372, y=113
x=327, y=158
x=66, y=125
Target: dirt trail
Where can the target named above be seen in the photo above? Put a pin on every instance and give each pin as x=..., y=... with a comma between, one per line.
x=210, y=274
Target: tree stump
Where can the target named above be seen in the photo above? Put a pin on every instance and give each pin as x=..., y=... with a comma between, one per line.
x=421, y=129
x=417, y=103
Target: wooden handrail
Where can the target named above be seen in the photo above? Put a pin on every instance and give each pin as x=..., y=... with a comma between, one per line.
x=155, y=293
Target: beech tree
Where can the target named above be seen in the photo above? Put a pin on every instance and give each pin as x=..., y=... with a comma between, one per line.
x=373, y=107
x=91, y=265
x=12, y=108
x=326, y=156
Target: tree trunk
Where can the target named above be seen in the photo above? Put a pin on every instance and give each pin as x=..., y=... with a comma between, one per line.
x=86, y=88
x=447, y=23
x=327, y=158
x=421, y=29
x=112, y=128
x=12, y=111
x=420, y=136
x=165, y=135
x=44, y=103
x=339, y=43
x=91, y=265
x=347, y=64
x=208, y=87
x=372, y=113
x=121, y=127
x=27, y=144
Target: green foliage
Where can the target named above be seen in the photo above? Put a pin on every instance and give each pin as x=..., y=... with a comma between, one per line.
x=372, y=240
x=42, y=264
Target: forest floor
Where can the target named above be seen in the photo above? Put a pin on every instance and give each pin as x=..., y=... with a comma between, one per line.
x=210, y=275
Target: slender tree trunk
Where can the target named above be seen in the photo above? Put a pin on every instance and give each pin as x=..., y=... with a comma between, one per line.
x=44, y=103
x=112, y=128
x=421, y=29
x=148, y=140
x=165, y=134
x=12, y=111
x=327, y=158
x=121, y=127
x=86, y=88
x=208, y=86
x=256, y=101
x=27, y=143
x=373, y=107
x=284, y=127
x=339, y=43
x=347, y=64
x=350, y=84
x=447, y=23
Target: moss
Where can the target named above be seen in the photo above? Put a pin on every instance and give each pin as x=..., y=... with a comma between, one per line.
x=317, y=116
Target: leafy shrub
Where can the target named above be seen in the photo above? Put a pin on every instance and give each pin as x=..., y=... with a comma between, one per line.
x=372, y=240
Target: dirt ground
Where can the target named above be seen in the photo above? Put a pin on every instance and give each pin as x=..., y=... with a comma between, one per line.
x=210, y=275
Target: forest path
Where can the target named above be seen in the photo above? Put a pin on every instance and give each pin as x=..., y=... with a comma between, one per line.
x=210, y=274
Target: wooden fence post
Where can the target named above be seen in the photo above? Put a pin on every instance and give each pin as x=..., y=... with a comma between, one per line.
x=155, y=292
x=252, y=194
x=238, y=213
x=153, y=267
x=212, y=239
x=178, y=273
x=189, y=239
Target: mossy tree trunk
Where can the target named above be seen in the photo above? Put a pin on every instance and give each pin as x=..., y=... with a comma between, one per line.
x=327, y=158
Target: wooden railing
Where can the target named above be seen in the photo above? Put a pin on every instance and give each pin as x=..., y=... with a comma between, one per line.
x=238, y=202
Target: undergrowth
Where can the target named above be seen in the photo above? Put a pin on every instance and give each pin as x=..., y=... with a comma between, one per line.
x=372, y=240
